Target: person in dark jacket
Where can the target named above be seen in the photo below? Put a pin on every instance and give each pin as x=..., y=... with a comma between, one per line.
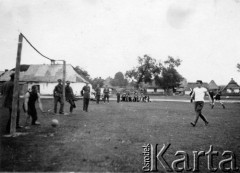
x=58, y=97
x=7, y=92
x=217, y=97
x=98, y=93
x=86, y=97
x=106, y=94
x=118, y=96
x=70, y=96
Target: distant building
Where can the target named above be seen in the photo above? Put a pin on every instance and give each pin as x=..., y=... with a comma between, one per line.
x=182, y=87
x=232, y=88
x=152, y=88
x=45, y=77
x=213, y=86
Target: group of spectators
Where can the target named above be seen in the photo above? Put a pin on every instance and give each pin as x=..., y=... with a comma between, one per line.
x=135, y=97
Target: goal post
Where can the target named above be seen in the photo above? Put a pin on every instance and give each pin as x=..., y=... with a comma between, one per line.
x=15, y=102
x=64, y=84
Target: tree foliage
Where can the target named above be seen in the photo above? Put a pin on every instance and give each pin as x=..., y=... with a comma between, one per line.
x=170, y=78
x=238, y=67
x=165, y=75
x=83, y=73
x=147, y=69
x=172, y=63
x=119, y=80
x=97, y=81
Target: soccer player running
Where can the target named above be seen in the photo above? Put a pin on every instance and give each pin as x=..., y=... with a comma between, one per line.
x=217, y=97
x=29, y=108
x=198, y=94
x=70, y=96
x=106, y=94
x=86, y=97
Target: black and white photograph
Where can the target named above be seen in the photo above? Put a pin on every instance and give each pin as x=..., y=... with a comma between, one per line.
x=120, y=86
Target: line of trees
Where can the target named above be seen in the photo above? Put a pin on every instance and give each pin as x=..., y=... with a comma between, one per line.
x=165, y=75
x=119, y=80
x=148, y=70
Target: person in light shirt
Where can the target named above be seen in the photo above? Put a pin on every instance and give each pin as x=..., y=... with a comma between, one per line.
x=198, y=95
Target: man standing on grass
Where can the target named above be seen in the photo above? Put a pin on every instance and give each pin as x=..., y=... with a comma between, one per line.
x=86, y=97
x=29, y=108
x=58, y=97
x=198, y=94
x=70, y=96
x=106, y=94
x=7, y=92
x=118, y=96
x=98, y=93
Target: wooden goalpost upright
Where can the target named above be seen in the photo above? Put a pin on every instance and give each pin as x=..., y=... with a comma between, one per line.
x=64, y=81
x=15, y=102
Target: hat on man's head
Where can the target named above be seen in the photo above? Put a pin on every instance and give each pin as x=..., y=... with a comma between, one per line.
x=199, y=81
x=67, y=82
x=59, y=80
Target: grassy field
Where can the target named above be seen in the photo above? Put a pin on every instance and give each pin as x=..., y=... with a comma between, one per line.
x=110, y=136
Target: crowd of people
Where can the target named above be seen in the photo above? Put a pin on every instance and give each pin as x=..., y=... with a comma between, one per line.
x=135, y=97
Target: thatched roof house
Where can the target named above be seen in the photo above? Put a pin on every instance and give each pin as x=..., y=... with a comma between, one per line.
x=194, y=85
x=46, y=73
x=46, y=76
x=1, y=72
x=212, y=85
x=231, y=88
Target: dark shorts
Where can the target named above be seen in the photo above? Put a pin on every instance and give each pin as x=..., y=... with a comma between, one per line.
x=31, y=110
x=106, y=96
x=198, y=106
x=217, y=98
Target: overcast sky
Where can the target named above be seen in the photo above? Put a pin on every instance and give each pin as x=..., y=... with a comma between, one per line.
x=107, y=36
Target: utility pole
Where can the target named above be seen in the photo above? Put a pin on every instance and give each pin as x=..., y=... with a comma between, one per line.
x=15, y=102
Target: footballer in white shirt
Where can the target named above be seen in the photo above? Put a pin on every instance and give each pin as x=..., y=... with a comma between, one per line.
x=198, y=96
